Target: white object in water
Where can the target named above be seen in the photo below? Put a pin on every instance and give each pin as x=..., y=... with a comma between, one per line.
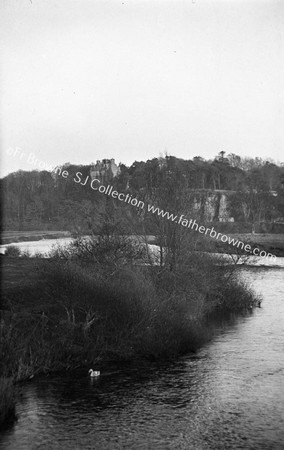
x=94, y=373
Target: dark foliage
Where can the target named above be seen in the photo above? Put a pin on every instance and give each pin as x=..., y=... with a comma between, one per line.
x=78, y=310
x=41, y=200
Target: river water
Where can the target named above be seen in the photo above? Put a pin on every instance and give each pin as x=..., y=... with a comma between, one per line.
x=44, y=246
x=227, y=396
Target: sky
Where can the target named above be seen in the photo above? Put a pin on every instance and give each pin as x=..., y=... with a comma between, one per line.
x=83, y=80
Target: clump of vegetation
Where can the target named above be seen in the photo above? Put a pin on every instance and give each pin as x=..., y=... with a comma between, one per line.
x=96, y=302
x=251, y=202
x=104, y=250
x=12, y=251
x=7, y=402
x=25, y=254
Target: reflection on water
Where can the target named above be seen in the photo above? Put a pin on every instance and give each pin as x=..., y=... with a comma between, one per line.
x=228, y=396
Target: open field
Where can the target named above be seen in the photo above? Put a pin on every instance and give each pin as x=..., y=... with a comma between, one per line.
x=8, y=237
x=265, y=239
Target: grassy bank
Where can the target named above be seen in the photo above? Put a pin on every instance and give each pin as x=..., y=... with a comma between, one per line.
x=95, y=305
x=270, y=242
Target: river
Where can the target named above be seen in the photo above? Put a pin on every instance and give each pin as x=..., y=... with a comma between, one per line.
x=44, y=246
x=227, y=396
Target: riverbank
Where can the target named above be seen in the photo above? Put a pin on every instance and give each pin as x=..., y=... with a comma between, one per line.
x=61, y=315
x=93, y=306
x=271, y=243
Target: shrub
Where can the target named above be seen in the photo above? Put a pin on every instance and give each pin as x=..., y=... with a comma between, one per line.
x=81, y=309
x=12, y=251
x=108, y=250
x=25, y=254
x=151, y=312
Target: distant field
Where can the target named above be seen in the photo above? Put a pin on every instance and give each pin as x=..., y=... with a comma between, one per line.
x=260, y=238
x=273, y=240
x=8, y=237
x=273, y=243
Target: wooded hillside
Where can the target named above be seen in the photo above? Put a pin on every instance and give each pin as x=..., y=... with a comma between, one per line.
x=42, y=200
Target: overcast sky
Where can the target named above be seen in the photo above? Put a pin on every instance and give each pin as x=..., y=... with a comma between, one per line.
x=88, y=79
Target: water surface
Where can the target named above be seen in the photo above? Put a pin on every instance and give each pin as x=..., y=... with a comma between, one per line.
x=228, y=396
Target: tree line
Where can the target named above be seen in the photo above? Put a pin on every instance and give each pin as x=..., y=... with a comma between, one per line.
x=45, y=200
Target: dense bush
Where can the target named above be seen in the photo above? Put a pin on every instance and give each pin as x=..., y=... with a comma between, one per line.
x=12, y=251
x=99, y=304
x=100, y=249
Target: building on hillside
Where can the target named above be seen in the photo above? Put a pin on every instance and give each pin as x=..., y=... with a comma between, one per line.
x=226, y=219
x=105, y=169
